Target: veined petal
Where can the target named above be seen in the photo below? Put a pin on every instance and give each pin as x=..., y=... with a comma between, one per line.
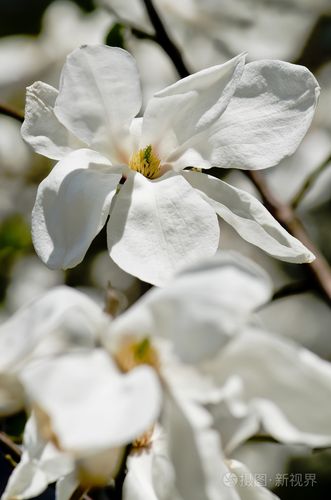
x=267, y=117
x=287, y=386
x=191, y=105
x=249, y=218
x=158, y=226
x=99, y=93
x=72, y=206
x=41, y=128
x=90, y=404
x=201, y=309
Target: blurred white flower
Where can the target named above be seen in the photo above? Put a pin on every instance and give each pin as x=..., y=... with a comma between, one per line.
x=196, y=337
x=59, y=321
x=91, y=417
x=162, y=217
x=212, y=31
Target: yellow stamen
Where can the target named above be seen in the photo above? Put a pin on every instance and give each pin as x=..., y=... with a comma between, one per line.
x=146, y=162
x=143, y=442
x=134, y=352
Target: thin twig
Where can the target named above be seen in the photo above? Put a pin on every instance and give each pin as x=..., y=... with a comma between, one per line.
x=309, y=182
x=163, y=39
x=80, y=494
x=10, y=444
x=319, y=269
x=8, y=111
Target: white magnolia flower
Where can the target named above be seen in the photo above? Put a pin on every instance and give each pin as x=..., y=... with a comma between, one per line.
x=163, y=216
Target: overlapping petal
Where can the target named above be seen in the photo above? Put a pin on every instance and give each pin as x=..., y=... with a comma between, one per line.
x=41, y=464
x=93, y=413
x=72, y=206
x=249, y=218
x=61, y=319
x=99, y=94
x=41, y=128
x=190, y=105
x=201, y=309
x=288, y=387
x=158, y=226
x=266, y=120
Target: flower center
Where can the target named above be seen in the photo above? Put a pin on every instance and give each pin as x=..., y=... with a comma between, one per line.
x=133, y=352
x=146, y=162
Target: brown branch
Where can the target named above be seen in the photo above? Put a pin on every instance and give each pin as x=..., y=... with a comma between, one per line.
x=319, y=269
x=165, y=42
x=8, y=111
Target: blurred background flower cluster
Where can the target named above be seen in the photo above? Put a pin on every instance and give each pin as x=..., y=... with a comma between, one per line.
x=36, y=36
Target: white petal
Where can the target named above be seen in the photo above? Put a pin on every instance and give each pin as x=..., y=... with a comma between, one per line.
x=158, y=226
x=99, y=93
x=246, y=485
x=249, y=218
x=194, y=449
x=26, y=481
x=192, y=104
x=71, y=207
x=41, y=129
x=62, y=314
x=286, y=385
x=201, y=308
x=266, y=119
x=90, y=404
x=65, y=486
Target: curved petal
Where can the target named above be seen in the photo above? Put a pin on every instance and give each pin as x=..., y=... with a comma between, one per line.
x=99, y=93
x=71, y=207
x=26, y=481
x=158, y=226
x=90, y=404
x=194, y=448
x=245, y=483
x=286, y=385
x=41, y=129
x=249, y=218
x=191, y=105
x=201, y=309
x=266, y=119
